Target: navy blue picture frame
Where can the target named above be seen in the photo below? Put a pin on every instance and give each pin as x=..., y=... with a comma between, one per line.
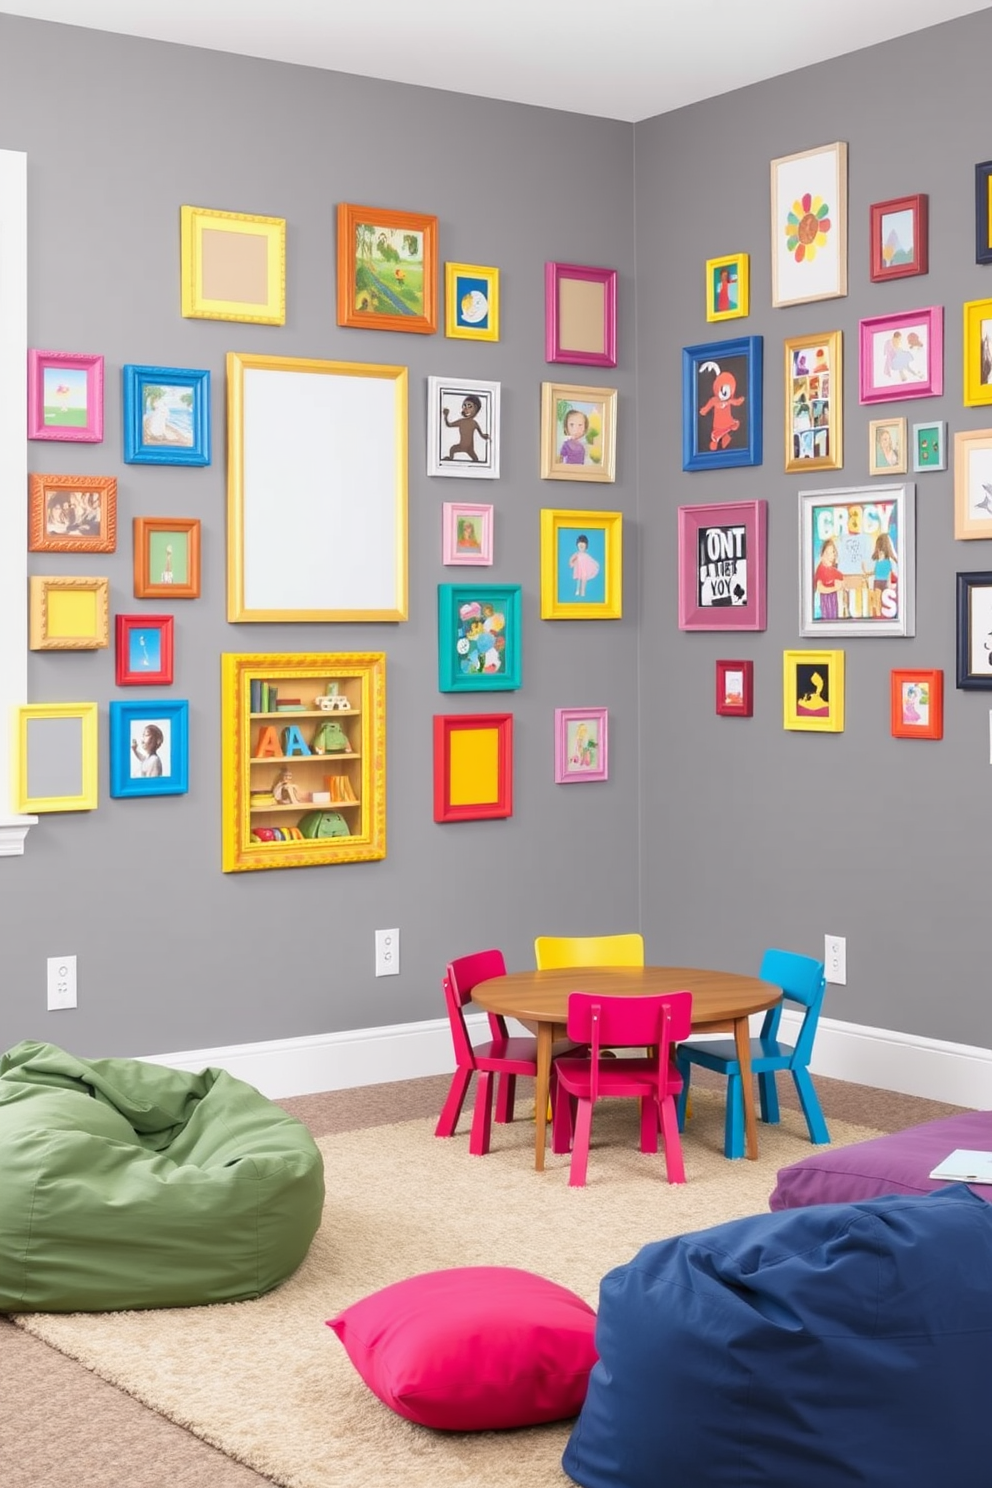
x=733, y=434
x=126, y=720
x=983, y=213
x=157, y=435
x=968, y=677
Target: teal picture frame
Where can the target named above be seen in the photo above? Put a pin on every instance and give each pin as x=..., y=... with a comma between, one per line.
x=479, y=637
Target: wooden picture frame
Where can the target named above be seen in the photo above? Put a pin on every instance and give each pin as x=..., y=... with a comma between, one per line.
x=581, y=452
x=581, y=565
x=887, y=451
x=233, y=266
x=68, y=613
x=977, y=353
x=809, y=225
x=814, y=402
x=813, y=691
x=143, y=650
x=42, y=764
x=857, y=561
x=581, y=745
x=901, y=355
x=974, y=631
x=929, y=446
x=580, y=315
x=728, y=290
x=898, y=233
x=916, y=704
x=166, y=415
x=723, y=566
x=149, y=748
x=722, y=403
x=972, y=484
x=463, y=428
x=387, y=269
x=72, y=513
x=166, y=558
x=289, y=505
x=471, y=302
x=65, y=396
x=735, y=689
x=479, y=637
x=983, y=212
x=473, y=766
x=466, y=533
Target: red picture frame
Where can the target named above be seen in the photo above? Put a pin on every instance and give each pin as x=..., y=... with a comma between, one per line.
x=889, y=258
x=141, y=641
x=916, y=704
x=473, y=777
x=735, y=689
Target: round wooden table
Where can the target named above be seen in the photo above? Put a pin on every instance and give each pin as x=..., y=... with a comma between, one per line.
x=722, y=1001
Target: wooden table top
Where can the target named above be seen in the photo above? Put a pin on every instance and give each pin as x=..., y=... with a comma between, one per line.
x=718, y=997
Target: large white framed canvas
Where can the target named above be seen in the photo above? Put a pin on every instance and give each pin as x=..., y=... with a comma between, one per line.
x=809, y=225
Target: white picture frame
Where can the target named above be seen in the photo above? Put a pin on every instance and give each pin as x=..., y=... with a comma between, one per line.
x=462, y=440
x=809, y=225
x=862, y=585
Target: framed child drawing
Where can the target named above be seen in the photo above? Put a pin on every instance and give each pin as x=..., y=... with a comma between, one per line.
x=916, y=704
x=857, y=561
x=813, y=691
x=721, y=404
x=462, y=428
x=580, y=745
x=809, y=225
x=814, y=402
x=578, y=432
x=581, y=565
x=479, y=640
x=722, y=566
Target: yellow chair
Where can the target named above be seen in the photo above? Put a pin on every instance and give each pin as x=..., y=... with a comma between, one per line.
x=552, y=951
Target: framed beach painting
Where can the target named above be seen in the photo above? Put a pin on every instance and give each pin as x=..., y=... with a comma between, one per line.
x=55, y=757
x=479, y=637
x=813, y=691
x=916, y=704
x=462, y=428
x=973, y=483
x=578, y=432
x=466, y=533
x=721, y=404
x=387, y=269
x=887, y=453
x=974, y=631
x=898, y=232
x=233, y=266
x=735, y=689
x=814, y=386
x=857, y=561
x=929, y=445
x=473, y=766
x=166, y=557
x=977, y=353
x=809, y=225
x=723, y=566
x=581, y=565
x=149, y=748
x=580, y=315
x=727, y=287
x=65, y=396
x=143, y=650
x=471, y=302
x=901, y=355
x=72, y=513
x=166, y=416
x=581, y=745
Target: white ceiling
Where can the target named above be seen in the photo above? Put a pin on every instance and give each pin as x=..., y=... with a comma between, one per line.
x=623, y=59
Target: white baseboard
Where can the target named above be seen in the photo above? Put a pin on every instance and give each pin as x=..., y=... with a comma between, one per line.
x=958, y=1073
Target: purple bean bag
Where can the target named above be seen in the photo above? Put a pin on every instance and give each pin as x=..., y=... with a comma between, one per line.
x=895, y=1164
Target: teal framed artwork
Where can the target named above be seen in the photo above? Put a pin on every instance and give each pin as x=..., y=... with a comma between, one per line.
x=581, y=565
x=479, y=637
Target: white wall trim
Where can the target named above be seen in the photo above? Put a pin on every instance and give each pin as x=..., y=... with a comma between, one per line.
x=880, y=1057
x=13, y=477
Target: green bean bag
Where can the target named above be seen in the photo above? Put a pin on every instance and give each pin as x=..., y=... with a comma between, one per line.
x=124, y=1184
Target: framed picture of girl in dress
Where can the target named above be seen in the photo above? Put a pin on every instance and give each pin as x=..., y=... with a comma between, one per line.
x=857, y=561
x=578, y=432
x=917, y=705
x=580, y=745
x=721, y=404
x=462, y=428
x=166, y=416
x=813, y=691
x=581, y=565
x=149, y=748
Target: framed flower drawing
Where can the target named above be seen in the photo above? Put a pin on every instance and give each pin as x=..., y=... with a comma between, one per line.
x=809, y=225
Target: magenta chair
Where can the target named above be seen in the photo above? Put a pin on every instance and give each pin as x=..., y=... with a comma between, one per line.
x=501, y=1055
x=621, y=1022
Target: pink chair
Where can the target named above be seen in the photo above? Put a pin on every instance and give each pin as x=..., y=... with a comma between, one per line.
x=501, y=1055
x=623, y=1022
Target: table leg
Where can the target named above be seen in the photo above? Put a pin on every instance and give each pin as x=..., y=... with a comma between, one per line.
x=541, y=1087
x=742, y=1039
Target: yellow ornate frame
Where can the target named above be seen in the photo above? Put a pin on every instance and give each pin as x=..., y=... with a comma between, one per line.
x=194, y=222
x=44, y=591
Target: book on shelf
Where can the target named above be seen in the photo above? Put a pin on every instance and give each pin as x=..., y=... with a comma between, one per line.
x=965, y=1166
x=255, y=696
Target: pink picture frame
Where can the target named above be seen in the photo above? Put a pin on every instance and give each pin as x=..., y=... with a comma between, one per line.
x=723, y=566
x=901, y=355
x=65, y=396
x=466, y=533
x=580, y=315
x=581, y=740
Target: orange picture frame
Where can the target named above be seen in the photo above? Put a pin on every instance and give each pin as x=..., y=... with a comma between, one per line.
x=916, y=704
x=473, y=766
x=166, y=557
x=387, y=269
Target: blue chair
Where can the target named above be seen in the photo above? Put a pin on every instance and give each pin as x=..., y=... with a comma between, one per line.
x=802, y=981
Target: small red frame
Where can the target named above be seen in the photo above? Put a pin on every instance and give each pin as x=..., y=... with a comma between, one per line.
x=448, y=785
x=130, y=627
x=735, y=688
x=918, y=263
x=927, y=704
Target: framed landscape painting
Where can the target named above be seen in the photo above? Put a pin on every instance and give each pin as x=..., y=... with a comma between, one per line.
x=721, y=404
x=166, y=415
x=809, y=225
x=898, y=233
x=65, y=396
x=857, y=561
x=814, y=402
x=387, y=269
x=722, y=566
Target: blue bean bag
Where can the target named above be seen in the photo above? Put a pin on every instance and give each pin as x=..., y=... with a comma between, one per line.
x=843, y=1343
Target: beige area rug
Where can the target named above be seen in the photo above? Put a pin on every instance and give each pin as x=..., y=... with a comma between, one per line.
x=272, y=1387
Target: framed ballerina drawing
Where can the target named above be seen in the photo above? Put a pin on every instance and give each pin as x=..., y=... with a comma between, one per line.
x=581, y=565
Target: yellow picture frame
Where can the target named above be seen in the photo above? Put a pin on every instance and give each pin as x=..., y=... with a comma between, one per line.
x=31, y=713
x=466, y=286
x=735, y=289
x=68, y=613
x=581, y=565
x=274, y=707
x=813, y=691
x=233, y=266
x=813, y=405
x=977, y=381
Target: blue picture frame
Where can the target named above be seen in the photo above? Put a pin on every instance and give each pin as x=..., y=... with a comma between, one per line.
x=722, y=404
x=479, y=637
x=134, y=751
x=166, y=415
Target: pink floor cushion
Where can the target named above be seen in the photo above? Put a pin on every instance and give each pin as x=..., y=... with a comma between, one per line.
x=476, y=1348
x=895, y=1164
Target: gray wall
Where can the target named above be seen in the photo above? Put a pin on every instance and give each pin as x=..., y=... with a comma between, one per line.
x=754, y=835
x=173, y=954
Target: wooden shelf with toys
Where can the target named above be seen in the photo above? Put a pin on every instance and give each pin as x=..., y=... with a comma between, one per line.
x=304, y=759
